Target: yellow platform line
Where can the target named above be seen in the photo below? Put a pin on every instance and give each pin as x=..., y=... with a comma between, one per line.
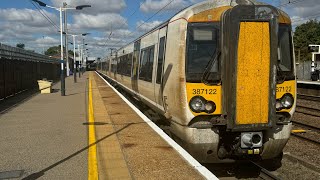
x=92, y=154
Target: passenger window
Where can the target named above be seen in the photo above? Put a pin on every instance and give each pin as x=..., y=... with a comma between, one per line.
x=160, y=60
x=107, y=65
x=129, y=64
x=146, y=64
x=118, y=65
x=150, y=64
x=113, y=65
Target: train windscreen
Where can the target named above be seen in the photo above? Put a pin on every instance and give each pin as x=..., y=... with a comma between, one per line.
x=285, y=53
x=202, y=44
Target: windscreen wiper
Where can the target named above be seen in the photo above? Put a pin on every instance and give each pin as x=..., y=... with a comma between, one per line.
x=280, y=74
x=208, y=67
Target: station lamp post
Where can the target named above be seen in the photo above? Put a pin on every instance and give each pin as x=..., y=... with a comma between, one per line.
x=80, y=51
x=74, y=54
x=84, y=59
x=61, y=9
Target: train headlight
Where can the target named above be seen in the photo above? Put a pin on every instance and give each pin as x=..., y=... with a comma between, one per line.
x=287, y=101
x=197, y=104
x=278, y=105
x=210, y=107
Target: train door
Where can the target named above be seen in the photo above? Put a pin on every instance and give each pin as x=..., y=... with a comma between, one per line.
x=249, y=49
x=135, y=65
x=158, y=87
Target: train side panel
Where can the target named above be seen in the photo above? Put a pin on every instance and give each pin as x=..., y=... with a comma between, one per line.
x=174, y=72
x=148, y=54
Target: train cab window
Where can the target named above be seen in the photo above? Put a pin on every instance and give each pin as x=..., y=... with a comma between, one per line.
x=285, y=53
x=284, y=49
x=202, y=43
x=146, y=64
x=160, y=59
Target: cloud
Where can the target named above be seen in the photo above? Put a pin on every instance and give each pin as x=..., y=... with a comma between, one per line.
x=301, y=11
x=27, y=17
x=99, y=22
x=154, y=5
x=146, y=26
x=117, y=38
x=46, y=40
x=97, y=6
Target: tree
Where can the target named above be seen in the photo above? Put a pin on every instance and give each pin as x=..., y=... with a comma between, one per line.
x=71, y=53
x=55, y=50
x=305, y=34
x=20, y=45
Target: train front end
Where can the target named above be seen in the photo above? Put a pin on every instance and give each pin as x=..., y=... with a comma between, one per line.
x=240, y=83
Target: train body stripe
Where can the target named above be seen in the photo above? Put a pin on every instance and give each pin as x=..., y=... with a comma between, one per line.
x=253, y=73
x=211, y=15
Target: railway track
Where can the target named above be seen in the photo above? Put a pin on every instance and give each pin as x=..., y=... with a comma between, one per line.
x=306, y=138
x=310, y=111
x=308, y=97
x=309, y=127
x=264, y=173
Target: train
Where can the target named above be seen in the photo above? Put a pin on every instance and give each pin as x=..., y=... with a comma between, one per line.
x=222, y=74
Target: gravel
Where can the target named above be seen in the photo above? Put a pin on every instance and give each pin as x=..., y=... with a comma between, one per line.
x=303, y=149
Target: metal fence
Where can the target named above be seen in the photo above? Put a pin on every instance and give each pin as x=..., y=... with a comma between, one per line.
x=304, y=70
x=20, y=69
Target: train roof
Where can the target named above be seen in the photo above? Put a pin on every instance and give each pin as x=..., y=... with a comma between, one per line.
x=202, y=6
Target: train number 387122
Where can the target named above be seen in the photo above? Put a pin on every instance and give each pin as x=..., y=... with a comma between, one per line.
x=204, y=91
x=284, y=89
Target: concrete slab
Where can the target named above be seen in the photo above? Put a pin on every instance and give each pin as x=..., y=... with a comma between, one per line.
x=45, y=135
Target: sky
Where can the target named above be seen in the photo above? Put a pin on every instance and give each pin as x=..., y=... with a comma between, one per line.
x=111, y=23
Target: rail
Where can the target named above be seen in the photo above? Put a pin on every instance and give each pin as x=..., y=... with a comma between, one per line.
x=264, y=173
x=308, y=97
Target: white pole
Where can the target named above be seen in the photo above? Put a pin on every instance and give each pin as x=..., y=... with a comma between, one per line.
x=43, y=45
x=79, y=54
x=74, y=59
x=61, y=61
x=66, y=40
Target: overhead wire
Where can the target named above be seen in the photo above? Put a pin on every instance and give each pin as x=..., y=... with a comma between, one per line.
x=305, y=18
x=45, y=15
x=298, y=19
x=161, y=9
x=122, y=25
x=290, y=3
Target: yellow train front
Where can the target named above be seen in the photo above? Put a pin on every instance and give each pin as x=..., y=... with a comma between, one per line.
x=222, y=73
x=239, y=79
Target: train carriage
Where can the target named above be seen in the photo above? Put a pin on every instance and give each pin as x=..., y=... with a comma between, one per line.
x=222, y=73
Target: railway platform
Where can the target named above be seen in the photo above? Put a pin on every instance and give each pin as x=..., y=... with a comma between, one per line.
x=308, y=82
x=308, y=87
x=91, y=133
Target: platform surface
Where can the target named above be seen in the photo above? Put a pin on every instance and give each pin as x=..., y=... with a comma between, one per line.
x=50, y=136
x=44, y=137
x=137, y=151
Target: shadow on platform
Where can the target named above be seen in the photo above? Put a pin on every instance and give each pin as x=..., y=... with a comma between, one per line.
x=11, y=102
x=42, y=172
